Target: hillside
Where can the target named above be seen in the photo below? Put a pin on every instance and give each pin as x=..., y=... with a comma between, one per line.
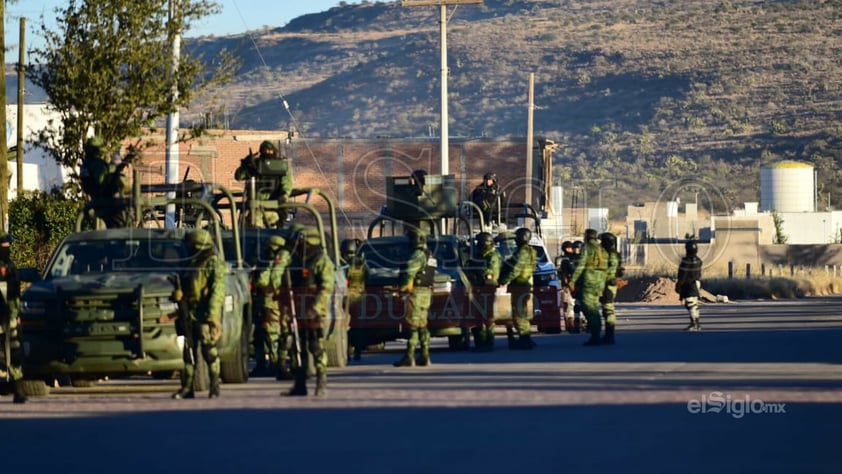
x=649, y=98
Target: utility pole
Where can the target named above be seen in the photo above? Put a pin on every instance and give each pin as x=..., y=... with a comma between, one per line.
x=4, y=147
x=21, y=88
x=445, y=158
x=173, y=121
x=531, y=111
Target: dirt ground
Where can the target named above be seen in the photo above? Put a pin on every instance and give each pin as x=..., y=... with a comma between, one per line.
x=653, y=290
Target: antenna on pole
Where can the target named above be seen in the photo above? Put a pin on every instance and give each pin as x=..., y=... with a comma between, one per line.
x=445, y=158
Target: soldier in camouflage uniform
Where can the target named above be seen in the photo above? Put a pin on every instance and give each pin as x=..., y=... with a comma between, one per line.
x=688, y=284
x=416, y=282
x=609, y=294
x=591, y=267
x=270, y=286
x=485, y=288
x=356, y=273
x=105, y=183
x=269, y=188
x=312, y=278
x=565, y=263
x=203, y=292
x=517, y=274
x=10, y=290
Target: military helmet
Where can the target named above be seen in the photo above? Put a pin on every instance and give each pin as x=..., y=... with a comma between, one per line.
x=577, y=246
x=484, y=240
x=567, y=245
x=590, y=234
x=5, y=237
x=348, y=247
x=523, y=236
x=93, y=147
x=268, y=148
x=491, y=176
x=310, y=235
x=275, y=242
x=200, y=239
x=608, y=241
x=417, y=238
x=691, y=247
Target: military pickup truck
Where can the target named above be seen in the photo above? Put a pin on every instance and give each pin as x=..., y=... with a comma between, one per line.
x=102, y=307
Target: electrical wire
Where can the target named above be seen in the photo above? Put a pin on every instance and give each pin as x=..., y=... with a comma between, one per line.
x=292, y=118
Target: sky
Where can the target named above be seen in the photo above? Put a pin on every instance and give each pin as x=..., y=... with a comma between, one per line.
x=237, y=16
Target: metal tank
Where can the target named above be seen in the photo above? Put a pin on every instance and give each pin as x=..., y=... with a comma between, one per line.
x=787, y=186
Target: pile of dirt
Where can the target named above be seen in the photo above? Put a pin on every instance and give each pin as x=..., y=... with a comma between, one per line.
x=653, y=289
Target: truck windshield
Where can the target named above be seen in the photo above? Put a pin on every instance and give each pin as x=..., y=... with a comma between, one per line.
x=106, y=256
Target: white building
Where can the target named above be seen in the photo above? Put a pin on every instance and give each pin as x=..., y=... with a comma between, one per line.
x=40, y=170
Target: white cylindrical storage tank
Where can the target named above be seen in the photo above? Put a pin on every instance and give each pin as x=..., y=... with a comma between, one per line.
x=787, y=186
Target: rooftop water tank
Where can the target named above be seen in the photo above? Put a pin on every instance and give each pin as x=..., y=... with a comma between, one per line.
x=787, y=186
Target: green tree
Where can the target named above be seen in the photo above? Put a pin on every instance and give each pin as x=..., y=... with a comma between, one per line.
x=107, y=68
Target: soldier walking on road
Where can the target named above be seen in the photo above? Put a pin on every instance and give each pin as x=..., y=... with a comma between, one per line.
x=203, y=292
x=689, y=282
x=609, y=294
x=565, y=263
x=356, y=273
x=269, y=284
x=485, y=288
x=591, y=268
x=416, y=282
x=312, y=280
x=517, y=274
x=9, y=308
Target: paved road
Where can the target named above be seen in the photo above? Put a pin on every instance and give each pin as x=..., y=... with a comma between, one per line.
x=759, y=390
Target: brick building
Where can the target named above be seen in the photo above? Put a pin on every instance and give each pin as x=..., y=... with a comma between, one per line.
x=353, y=171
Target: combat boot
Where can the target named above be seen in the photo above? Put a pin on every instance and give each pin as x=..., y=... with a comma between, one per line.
x=594, y=340
x=406, y=361
x=424, y=358
x=510, y=338
x=489, y=339
x=184, y=393
x=186, y=390
x=214, y=391
x=609, y=334
x=283, y=373
x=299, y=387
x=321, y=384
x=524, y=343
x=694, y=325
x=19, y=393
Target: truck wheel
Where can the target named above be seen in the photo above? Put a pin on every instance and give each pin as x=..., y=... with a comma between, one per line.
x=35, y=388
x=83, y=383
x=235, y=370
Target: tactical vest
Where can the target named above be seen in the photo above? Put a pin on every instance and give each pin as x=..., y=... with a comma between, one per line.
x=356, y=274
x=598, y=260
x=427, y=276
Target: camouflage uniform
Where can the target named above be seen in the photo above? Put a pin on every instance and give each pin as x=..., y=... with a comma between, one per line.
x=312, y=273
x=105, y=184
x=485, y=288
x=10, y=306
x=565, y=271
x=488, y=197
x=609, y=294
x=203, y=293
x=356, y=274
x=688, y=283
x=517, y=274
x=416, y=281
x=270, y=285
x=591, y=267
x=269, y=188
